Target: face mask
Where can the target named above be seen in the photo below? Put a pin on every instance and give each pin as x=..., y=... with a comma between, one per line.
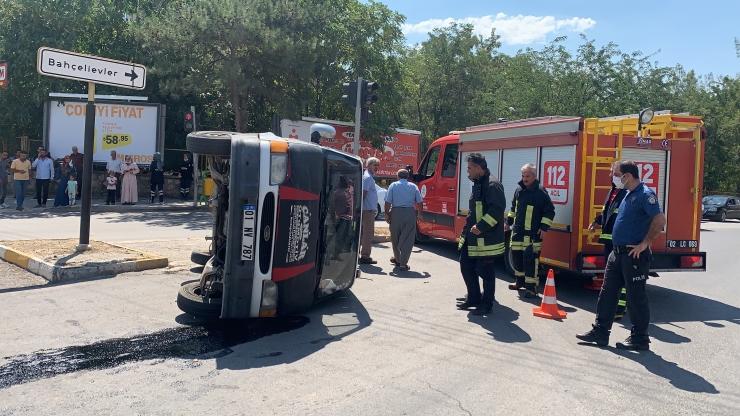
x=617, y=182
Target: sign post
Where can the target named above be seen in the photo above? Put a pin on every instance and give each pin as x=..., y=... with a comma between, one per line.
x=93, y=70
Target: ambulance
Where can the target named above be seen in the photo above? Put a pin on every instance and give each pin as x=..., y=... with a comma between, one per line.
x=573, y=156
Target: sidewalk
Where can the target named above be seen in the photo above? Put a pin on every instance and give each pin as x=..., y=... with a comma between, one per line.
x=98, y=205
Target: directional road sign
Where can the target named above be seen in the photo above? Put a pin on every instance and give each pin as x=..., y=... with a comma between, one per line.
x=70, y=65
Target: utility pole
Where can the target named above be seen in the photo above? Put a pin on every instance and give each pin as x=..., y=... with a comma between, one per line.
x=358, y=115
x=196, y=180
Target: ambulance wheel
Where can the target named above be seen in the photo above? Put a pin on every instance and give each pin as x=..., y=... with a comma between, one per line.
x=509, y=262
x=213, y=143
x=200, y=257
x=190, y=301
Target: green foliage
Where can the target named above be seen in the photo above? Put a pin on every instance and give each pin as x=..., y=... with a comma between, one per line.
x=241, y=61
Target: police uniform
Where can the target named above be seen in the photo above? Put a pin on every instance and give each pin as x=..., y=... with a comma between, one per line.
x=633, y=221
x=606, y=221
x=486, y=209
x=531, y=211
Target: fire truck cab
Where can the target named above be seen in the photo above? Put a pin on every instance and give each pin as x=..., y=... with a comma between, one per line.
x=573, y=157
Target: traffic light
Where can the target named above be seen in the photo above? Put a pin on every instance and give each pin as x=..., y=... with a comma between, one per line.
x=350, y=96
x=188, y=123
x=368, y=91
x=365, y=114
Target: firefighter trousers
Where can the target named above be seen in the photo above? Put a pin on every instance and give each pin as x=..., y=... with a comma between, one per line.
x=471, y=268
x=525, y=258
x=622, y=304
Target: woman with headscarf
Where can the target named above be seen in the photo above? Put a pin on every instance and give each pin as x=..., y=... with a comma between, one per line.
x=157, y=180
x=129, y=190
x=62, y=177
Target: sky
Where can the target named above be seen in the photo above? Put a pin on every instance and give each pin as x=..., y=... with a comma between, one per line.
x=697, y=35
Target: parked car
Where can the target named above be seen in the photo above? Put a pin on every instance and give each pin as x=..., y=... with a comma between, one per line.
x=720, y=207
x=381, y=200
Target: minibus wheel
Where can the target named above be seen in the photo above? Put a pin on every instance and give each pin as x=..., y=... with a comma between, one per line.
x=212, y=143
x=190, y=301
x=200, y=257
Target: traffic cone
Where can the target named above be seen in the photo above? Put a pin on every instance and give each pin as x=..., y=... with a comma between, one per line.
x=596, y=282
x=549, y=307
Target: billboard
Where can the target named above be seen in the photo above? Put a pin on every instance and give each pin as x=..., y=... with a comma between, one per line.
x=131, y=129
x=399, y=151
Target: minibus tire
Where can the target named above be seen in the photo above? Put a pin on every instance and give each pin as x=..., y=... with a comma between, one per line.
x=191, y=302
x=200, y=257
x=212, y=143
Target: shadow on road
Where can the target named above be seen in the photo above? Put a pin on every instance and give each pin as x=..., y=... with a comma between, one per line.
x=330, y=321
x=500, y=324
x=439, y=247
x=198, y=339
x=679, y=378
x=667, y=306
x=189, y=220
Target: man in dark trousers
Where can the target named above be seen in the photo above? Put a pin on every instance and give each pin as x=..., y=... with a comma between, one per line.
x=640, y=220
x=482, y=239
x=186, y=176
x=157, y=179
x=529, y=219
x=606, y=221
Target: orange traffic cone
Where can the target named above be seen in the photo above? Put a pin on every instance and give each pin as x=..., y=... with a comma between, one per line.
x=596, y=282
x=549, y=307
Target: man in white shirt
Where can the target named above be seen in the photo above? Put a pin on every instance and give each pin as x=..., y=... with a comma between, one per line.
x=44, y=174
x=114, y=164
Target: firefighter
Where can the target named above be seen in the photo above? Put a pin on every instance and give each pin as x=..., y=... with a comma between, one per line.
x=639, y=222
x=529, y=219
x=606, y=221
x=482, y=239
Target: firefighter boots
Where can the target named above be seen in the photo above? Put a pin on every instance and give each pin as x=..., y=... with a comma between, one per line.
x=596, y=336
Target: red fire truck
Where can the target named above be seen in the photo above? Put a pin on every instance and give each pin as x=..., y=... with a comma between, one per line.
x=573, y=156
x=400, y=151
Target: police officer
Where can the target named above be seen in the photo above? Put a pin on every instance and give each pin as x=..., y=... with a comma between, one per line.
x=482, y=239
x=529, y=219
x=639, y=221
x=606, y=221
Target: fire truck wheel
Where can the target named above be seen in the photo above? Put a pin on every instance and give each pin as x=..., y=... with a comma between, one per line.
x=420, y=238
x=213, y=143
x=200, y=257
x=191, y=302
x=509, y=262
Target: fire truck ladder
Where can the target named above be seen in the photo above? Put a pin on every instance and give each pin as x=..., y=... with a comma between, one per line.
x=664, y=123
x=600, y=158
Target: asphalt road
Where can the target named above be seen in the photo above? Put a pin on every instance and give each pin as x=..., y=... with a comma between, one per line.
x=394, y=344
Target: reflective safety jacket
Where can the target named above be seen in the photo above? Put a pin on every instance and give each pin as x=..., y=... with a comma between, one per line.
x=531, y=211
x=609, y=215
x=486, y=211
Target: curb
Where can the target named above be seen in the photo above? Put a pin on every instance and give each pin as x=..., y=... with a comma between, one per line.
x=55, y=274
x=377, y=239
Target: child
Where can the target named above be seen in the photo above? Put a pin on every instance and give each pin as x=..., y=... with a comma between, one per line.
x=72, y=189
x=111, y=186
